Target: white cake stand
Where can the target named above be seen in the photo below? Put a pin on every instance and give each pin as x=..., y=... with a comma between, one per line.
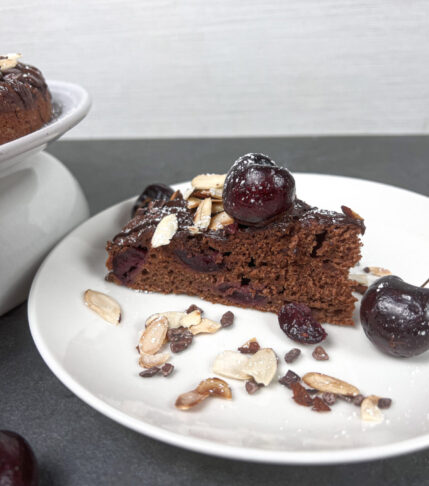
x=40, y=200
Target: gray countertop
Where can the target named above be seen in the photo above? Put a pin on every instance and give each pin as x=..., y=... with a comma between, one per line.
x=76, y=445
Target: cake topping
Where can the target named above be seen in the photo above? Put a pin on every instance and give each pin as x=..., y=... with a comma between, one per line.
x=208, y=181
x=292, y=355
x=256, y=190
x=8, y=61
x=320, y=354
x=165, y=230
x=153, y=192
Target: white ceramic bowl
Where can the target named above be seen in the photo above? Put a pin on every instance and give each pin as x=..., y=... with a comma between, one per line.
x=71, y=103
x=40, y=200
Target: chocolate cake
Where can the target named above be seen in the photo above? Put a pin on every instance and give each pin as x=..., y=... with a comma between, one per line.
x=275, y=253
x=25, y=101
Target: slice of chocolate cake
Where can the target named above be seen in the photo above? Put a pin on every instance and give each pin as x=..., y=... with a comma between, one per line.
x=257, y=247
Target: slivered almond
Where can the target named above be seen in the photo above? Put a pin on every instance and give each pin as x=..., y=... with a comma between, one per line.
x=217, y=206
x=369, y=410
x=329, y=384
x=193, y=202
x=208, y=181
x=360, y=278
x=153, y=336
x=164, y=231
x=8, y=61
x=194, y=230
x=173, y=318
x=191, y=319
x=231, y=365
x=187, y=193
x=220, y=220
x=203, y=214
x=149, y=360
x=262, y=366
x=379, y=272
x=215, y=387
x=187, y=400
x=104, y=305
x=211, y=387
x=205, y=326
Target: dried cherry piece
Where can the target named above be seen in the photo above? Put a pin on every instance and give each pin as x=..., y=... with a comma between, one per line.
x=300, y=395
x=210, y=261
x=320, y=406
x=297, y=322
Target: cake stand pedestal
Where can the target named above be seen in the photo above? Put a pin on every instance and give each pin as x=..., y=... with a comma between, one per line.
x=40, y=202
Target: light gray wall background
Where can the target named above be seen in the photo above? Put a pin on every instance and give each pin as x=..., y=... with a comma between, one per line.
x=165, y=68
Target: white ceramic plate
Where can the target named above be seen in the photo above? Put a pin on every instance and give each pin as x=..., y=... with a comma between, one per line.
x=70, y=102
x=98, y=361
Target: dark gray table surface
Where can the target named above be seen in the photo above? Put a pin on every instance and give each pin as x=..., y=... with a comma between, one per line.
x=76, y=445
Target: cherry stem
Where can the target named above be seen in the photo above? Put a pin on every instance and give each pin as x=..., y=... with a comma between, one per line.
x=424, y=285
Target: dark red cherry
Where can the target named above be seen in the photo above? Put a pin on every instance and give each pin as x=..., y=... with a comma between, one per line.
x=127, y=265
x=256, y=190
x=297, y=322
x=151, y=193
x=210, y=261
x=395, y=316
x=18, y=465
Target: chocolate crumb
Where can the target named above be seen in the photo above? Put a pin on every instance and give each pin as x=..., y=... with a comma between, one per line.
x=251, y=347
x=320, y=354
x=312, y=391
x=292, y=355
x=252, y=387
x=384, y=402
x=193, y=308
x=289, y=378
x=150, y=372
x=227, y=319
x=167, y=369
x=329, y=398
x=320, y=406
x=358, y=399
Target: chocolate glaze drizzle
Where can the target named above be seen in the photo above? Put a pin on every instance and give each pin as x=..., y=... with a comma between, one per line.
x=19, y=85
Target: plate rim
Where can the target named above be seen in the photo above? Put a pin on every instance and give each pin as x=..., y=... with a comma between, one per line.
x=209, y=447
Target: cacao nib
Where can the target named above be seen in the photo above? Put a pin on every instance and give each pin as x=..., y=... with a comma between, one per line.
x=289, y=378
x=150, y=372
x=320, y=354
x=167, y=369
x=384, y=402
x=252, y=387
x=292, y=355
x=227, y=319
